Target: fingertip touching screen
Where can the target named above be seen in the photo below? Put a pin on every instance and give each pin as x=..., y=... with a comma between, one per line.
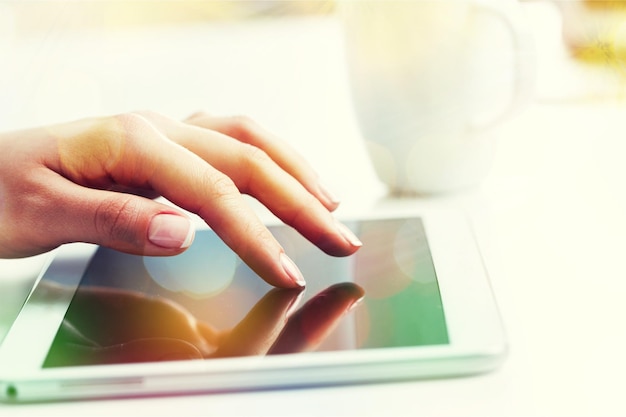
x=206, y=303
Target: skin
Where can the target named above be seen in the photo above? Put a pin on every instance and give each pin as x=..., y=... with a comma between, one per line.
x=95, y=181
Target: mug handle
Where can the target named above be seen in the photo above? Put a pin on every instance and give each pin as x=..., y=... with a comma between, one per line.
x=524, y=55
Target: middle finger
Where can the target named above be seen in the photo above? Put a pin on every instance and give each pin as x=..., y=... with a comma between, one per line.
x=256, y=174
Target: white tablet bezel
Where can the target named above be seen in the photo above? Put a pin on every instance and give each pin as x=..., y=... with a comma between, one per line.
x=477, y=340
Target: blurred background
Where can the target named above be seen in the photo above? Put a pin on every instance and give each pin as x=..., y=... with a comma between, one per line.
x=61, y=60
x=581, y=44
x=551, y=212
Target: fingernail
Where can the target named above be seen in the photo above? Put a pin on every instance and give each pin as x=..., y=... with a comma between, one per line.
x=171, y=231
x=330, y=196
x=295, y=303
x=347, y=234
x=292, y=270
x=354, y=305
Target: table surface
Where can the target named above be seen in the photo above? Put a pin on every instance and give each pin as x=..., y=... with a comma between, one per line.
x=549, y=218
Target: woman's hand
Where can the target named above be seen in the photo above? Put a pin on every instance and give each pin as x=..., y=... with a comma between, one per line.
x=92, y=181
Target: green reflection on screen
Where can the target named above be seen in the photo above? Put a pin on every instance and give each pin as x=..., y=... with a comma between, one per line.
x=403, y=304
x=401, y=321
x=126, y=301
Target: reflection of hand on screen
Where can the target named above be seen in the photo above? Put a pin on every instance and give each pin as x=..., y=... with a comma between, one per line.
x=310, y=325
x=261, y=333
x=120, y=326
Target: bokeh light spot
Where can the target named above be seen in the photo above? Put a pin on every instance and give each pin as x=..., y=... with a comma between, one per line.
x=198, y=272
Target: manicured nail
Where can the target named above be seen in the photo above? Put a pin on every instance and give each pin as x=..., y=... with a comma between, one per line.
x=171, y=231
x=328, y=195
x=292, y=270
x=347, y=234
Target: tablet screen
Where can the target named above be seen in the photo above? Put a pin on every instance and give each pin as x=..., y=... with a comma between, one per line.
x=206, y=303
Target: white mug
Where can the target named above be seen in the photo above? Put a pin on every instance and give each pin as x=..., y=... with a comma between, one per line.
x=429, y=80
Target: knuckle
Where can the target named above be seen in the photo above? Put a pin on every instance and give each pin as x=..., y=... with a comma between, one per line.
x=255, y=157
x=132, y=123
x=222, y=187
x=201, y=114
x=254, y=162
x=121, y=131
x=146, y=114
x=151, y=118
x=132, y=134
x=222, y=193
x=117, y=219
x=116, y=137
x=242, y=121
x=243, y=127
x=94, y=141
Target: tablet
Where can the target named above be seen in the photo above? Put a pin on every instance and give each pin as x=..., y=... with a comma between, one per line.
x=413, y=302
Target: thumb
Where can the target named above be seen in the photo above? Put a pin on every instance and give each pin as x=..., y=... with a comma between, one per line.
x=125, y=222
